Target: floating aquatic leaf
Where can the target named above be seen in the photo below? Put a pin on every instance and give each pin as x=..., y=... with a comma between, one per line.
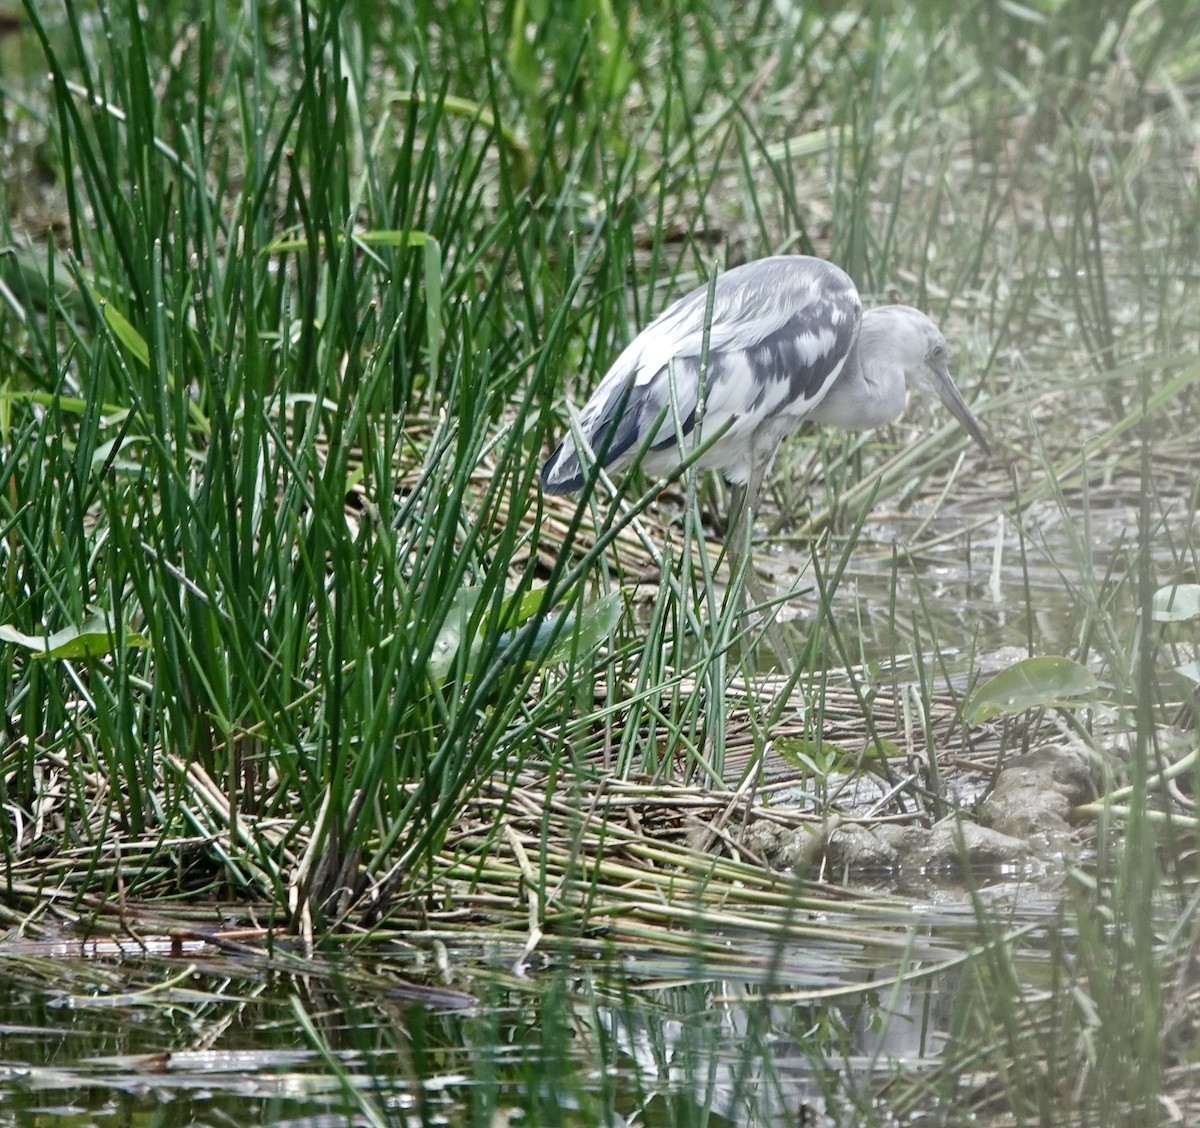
x=823, y=756
x=90, y=639
x=1047, y=682
x=586, y=631
x=1176, y=604
x=1190, y=670
x=582, y=633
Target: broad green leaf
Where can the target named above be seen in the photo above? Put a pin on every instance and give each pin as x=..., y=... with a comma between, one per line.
x=382, y=237
x=476, y=111
x=1190, y=670
x=394, y=237
x=1033, y=683
x=618, y=69
x=823, y=756
x=1178, y=603
x=90, y=639
x=108, y=455
x=126, y=333
x=449, y=639
x=26, y=273
x=594, y=623
x=128, y=336
x=70, y=404
x=522, y=63
x=585, y=631
x=806, y=754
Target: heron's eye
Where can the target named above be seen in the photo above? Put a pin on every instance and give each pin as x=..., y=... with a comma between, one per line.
x=938, y=353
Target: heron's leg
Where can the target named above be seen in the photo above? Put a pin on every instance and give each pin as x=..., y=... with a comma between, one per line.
x=739, y=529
x=735, y=539
x=737, y=502
x=753, y=488
x=742, y=542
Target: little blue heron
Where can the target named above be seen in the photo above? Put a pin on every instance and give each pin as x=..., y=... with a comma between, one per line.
x=787, y=340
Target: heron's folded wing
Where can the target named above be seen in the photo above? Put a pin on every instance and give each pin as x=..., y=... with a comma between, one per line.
x=779, y=331
x=776, y=341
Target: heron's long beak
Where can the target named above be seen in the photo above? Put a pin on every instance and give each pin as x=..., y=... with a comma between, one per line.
x=949, y=395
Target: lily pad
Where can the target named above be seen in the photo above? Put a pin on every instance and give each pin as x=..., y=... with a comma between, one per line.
x=1190, y=670
x=1033, y=683
x=1178, y=603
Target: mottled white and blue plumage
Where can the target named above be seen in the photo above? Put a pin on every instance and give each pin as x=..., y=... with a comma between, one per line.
x=787, y=341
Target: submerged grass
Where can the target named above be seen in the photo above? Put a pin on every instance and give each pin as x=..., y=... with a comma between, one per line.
x=292, y=297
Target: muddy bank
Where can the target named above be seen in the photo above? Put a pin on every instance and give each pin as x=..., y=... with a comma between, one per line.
x=1022, y=826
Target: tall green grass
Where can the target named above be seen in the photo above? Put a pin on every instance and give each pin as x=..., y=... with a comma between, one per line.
x=279, y=433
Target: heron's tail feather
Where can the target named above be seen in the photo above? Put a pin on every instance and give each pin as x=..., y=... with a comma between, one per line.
x=611, y=429
x=562, y=473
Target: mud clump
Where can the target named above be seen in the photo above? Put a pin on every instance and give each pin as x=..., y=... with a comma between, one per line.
x=1035, y=794
x=1023, y=826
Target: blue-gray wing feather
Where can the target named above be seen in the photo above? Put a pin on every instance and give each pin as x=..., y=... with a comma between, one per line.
x=781, y=328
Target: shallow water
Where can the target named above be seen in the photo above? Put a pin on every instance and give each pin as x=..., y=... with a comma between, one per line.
x=212, y=1033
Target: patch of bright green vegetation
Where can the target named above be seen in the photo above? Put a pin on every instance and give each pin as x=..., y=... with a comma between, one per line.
x=291, y=300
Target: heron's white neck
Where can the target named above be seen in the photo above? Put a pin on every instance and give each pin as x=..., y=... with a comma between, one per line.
x=870, y=390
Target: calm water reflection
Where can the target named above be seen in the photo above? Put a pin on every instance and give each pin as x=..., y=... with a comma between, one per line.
x=432, y=1035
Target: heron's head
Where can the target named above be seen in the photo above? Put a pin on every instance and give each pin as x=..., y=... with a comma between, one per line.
x=921, y=349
